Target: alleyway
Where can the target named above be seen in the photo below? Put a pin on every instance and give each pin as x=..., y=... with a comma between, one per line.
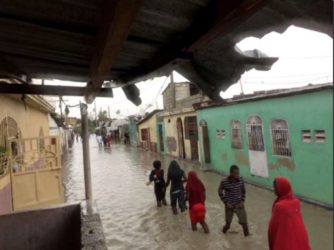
x=131, y=219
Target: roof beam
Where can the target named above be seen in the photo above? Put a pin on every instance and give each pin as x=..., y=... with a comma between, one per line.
x=32, y=89
x=117, y=19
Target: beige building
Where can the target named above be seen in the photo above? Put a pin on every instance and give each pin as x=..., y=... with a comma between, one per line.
x=147, y=131
x=29, y=158
x=177, y=125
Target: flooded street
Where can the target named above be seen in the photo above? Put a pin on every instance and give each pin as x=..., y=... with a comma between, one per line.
x=131, y=219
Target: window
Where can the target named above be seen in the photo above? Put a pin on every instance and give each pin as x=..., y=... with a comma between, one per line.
x=220, y=134
x=306, y=136
x=144, y=134
x=236, y=134
x=319, y=136
x=280, y=138
x=193, y=89
x=254, y=133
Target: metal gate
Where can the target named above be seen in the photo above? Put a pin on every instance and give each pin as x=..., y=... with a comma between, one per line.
x=35, y=172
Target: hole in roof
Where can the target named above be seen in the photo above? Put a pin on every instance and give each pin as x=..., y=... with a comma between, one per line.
x=305, y=57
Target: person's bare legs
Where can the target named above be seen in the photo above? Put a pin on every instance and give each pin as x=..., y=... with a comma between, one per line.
x=205, y=227
x=194, y=226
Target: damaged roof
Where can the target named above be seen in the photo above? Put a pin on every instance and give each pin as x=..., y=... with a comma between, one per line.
x=127, y=41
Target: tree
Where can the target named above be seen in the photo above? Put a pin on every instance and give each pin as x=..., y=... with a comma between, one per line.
x=102, y=116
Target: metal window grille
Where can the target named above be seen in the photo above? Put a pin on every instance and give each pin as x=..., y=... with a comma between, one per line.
x=280, y=138
x=254, y=134
x=236, y=135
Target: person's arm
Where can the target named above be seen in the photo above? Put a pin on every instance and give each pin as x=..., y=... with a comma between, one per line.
x=168, y=181
x=243, y=191
x=150, y=178
x=221, y=193
x=184, y=177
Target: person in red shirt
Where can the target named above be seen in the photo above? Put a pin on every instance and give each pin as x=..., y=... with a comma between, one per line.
x=286, y=227
x=195, y=194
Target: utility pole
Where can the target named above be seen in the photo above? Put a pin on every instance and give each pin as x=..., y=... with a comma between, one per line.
x=86, y=157
x=96, y=122
x=241, y=87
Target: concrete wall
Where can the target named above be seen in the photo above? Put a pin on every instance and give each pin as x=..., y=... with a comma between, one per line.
x=310, y=167
x=54, y=228
x=181, y=91
x=133, y=132
x=29, y=119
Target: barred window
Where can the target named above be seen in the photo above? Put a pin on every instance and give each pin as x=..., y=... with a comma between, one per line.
x=236, y=134
x=280, y=138
x=254, y=133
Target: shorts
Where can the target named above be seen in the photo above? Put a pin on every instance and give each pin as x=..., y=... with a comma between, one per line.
x=197, y=213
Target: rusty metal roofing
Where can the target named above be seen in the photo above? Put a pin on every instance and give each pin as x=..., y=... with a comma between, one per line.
x=62, y=39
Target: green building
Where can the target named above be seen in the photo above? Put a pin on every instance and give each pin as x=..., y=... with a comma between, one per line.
x=276, y=133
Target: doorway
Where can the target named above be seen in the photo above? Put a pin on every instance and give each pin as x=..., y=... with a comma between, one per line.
x=256, y=149
x=205, y=141
x=161, y=138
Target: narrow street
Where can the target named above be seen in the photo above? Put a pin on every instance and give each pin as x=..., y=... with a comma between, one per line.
x=131, y=219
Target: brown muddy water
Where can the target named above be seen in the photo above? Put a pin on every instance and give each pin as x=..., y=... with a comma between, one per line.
x=131, y=219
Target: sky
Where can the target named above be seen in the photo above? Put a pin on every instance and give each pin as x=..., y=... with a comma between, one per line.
x=304, y=57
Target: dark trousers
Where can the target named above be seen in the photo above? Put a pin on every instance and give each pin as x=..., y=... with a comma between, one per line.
x=177, y=198
x=240, y=212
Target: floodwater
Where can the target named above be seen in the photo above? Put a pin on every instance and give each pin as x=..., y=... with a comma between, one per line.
x=131, y=219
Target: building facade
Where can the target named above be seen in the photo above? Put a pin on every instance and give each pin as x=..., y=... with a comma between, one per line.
x=278, y=134
x=177, y=125
x=29, y=155
x=147, y=132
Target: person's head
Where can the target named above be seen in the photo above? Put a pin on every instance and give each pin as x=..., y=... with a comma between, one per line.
x=234, y=171
x=192, y=175
x=157, y=164
x=174, y=168
x=282, y=187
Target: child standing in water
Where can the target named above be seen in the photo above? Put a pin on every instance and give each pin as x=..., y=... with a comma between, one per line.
x=176, y=177
x=196, y=197
x=157, y=176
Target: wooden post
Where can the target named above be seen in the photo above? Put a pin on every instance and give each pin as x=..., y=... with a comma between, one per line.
x=86, y=156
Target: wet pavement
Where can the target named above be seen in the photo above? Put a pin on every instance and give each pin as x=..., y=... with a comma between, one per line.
x=131, y=219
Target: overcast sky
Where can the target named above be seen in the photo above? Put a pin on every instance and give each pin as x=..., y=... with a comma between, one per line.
x=304, y=57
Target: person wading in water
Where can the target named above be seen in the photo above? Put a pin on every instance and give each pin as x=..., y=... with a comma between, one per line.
x=195, y=194
x=176, y=177
x=157, y=176
x=286, y=227
x=232, y=192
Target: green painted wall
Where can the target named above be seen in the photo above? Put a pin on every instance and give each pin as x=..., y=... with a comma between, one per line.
x=310, y=168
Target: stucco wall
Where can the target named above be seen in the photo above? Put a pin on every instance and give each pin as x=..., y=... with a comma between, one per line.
x=28, y=119
x=171, y=132
x=310, y=167
x=151, y=124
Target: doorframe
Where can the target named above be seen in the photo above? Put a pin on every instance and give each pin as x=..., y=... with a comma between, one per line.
x=180, y=133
